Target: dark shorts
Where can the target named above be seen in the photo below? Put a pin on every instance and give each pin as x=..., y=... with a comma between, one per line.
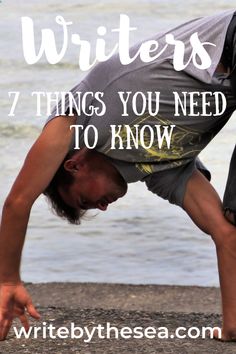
x=171, y=184
x=229, y=61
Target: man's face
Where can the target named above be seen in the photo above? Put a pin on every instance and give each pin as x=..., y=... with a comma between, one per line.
x=96, y=184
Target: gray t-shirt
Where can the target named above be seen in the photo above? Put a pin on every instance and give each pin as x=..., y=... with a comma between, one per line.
x=164, y=169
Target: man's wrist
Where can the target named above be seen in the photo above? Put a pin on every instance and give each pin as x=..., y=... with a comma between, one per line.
x=11, y=283
x=7, y=278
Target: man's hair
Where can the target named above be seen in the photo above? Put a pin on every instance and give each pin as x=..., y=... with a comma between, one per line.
x=62, y=179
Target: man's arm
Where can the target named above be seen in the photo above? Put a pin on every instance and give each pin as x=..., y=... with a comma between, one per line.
x=203, y=205
x=39, y=167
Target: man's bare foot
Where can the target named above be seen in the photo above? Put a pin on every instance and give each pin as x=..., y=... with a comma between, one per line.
x=229, y=337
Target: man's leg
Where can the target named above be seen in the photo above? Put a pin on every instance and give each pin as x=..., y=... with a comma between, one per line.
x=229, y=201
x=203, y=205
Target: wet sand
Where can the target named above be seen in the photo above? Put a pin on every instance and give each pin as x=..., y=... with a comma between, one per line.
x=91, y=304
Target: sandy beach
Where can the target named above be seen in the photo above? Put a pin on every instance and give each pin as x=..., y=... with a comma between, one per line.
x=90, y=304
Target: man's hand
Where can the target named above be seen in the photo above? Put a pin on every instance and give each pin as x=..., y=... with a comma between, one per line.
x=14, y=300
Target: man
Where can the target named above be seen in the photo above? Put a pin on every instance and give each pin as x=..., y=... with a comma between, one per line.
x=77, y=180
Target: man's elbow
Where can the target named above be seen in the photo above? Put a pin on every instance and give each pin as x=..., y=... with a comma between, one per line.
x=16, y=203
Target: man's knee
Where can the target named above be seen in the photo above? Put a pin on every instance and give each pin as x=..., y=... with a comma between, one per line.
x=225, y=236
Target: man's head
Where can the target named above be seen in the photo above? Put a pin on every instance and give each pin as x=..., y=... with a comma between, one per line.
x=85, y=180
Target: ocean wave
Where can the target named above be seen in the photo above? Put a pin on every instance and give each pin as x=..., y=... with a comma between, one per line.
x=42, y=65
x=83, y=7
x=19, y=131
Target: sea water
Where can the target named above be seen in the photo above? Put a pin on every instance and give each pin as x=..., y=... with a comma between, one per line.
x=141, y=238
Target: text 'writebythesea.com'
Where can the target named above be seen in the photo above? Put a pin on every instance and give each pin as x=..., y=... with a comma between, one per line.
x=108, y=331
